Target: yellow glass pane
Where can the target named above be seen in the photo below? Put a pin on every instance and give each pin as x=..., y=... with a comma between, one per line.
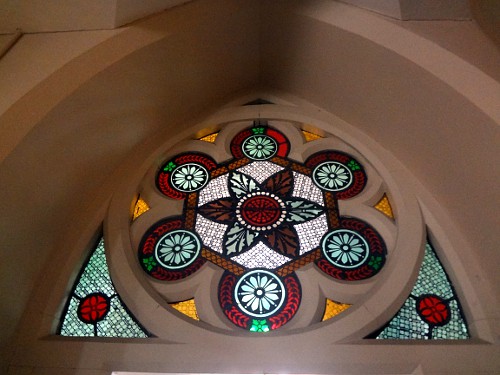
x=384, y=206
x=188, y=308
x=209, y=138
x=333, y=308
x=310, y=136
x=140, y=207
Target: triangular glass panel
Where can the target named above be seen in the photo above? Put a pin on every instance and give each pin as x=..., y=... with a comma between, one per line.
x=140, y=207
x=187, y=308
x=384, y=206
x=210, y=138
x=94, y=307
x=333, y=308
x=432, y=311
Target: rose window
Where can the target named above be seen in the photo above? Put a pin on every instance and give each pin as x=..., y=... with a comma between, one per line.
x=268, y=233
x=260, y=217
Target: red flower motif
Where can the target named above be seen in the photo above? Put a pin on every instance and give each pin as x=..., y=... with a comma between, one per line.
x=93, y=308
x=433, y=310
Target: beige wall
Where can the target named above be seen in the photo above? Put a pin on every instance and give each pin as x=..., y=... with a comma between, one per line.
x=69, y=119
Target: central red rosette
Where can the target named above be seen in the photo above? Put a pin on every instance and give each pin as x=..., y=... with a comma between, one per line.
x=261, y=211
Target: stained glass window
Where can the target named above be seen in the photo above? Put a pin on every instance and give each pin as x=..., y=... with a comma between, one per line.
x=384, y=206
x=140, y=207
x=187, y=308
x=209, y=138
x=432, y=311
x=310, y=136
x=260, y=216
x=94, y=307
x=333, y=308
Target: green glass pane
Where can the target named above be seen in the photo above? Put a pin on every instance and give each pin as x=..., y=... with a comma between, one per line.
x=455, y=329
x=95, y=277
x=432, y=278
x=118, y=323
x=406, y=324
x=72, y=325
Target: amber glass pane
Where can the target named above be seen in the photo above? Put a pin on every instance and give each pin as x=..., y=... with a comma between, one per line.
x=310, y=136
x=209, y=138
x=140, y=207
x=384, y=206
x=188, y=308
x=333, y=308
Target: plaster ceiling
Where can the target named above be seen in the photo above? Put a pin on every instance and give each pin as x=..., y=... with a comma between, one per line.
x=215, y=53
x=33, y=16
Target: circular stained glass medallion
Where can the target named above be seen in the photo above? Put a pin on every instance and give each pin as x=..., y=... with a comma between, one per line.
x=93, y=308
x=261, y=211
x=259, y=293
x=259, y=147
x=332, y=176
x=345, y=248
x=177, y=249
x=189, y=177
x=433, y=310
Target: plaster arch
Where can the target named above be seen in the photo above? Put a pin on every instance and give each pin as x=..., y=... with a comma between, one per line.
x=183, y=338
x=35, y=127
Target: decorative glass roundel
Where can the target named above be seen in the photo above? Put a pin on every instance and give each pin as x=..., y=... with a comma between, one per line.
x=337, y=172
x=259, y=147
x=184, y=174
x=93, y=308
x=433, y=309
x=260, y=217
x=169, y=252
x=259, y=293
x=189, y=177
x=345, y=248
x=261, y=211
x=177, y=249
x=332, y=176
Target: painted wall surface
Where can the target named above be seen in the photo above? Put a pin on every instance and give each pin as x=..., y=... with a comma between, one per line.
x=70, y=120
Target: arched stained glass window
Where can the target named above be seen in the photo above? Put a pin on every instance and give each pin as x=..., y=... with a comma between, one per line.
x=260, y=217
x=432, y=311
x=94, y=307
x=278, y=230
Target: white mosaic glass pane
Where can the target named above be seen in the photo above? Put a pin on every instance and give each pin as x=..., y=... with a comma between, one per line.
x=260, y=170
x=95, y=277
x=261, y=256
x=211, y=233
x=304, y=187
x=311, y=232
x=215, y=189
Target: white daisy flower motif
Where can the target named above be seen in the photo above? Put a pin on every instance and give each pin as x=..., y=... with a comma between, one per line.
x=332, y=176
x=177, y=249
x=259, y=147
x=189, y=177
x=260, y=293
x=345, y=248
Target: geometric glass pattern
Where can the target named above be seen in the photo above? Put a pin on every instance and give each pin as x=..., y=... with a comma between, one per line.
x=432, y=311
x=333, y=308
x=384, y=206
x=140, y=207
x=187, y=308
x=332, y=176
x=310, y=136
x=94, y=307
x=209, y=138
x=260, y=216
